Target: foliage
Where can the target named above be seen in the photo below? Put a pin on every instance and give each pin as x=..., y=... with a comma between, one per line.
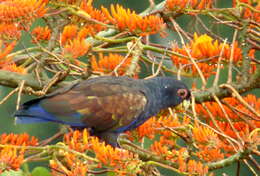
x=77, y=40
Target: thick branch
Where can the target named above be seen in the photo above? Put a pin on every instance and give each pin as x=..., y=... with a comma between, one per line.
x=228, y=161
x=12, y=79
x=207, y=95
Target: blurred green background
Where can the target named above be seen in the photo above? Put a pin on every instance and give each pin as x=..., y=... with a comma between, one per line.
x=45, y=130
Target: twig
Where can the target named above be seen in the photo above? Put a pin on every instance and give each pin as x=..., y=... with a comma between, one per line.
x=55, y=136
x=215, y=83
x=178, y=28
x=207, y=29
x=254, y=162
x=206, y=95
x=250, y=167
x=19, y=94
x=191, y=58
x=193, y=107
x=216, y=131
x=228, y=119
x=9, y=95
x=221, y=132
x=238, y=96
x=241, y=114
x=130, y=49
x=136, y=51
x=157, y=71
x=230, y=66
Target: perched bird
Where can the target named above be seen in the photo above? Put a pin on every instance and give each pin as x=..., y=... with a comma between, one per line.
x=106, y=105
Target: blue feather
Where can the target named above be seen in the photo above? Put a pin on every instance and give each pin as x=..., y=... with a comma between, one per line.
x=35, y=113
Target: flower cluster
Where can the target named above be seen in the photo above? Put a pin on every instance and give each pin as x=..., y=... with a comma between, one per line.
x=206, y=52
x=180, y=5
x=179, y=156
x=249, y=13
x=91, y=28
x=76, y=48
x=169, y=129
x=21, y=12
x=108, y=64
x=6, y=62
x=243, y=120
x=125, y=19
x=15, y=16
x=9, y=31
x=94, y=20
x=117, y=160
x=195, y=167
x=41, y=33
x=70, y=165
x=10, y=156
x=18, y=139
x=208, y=143
x=74, y=45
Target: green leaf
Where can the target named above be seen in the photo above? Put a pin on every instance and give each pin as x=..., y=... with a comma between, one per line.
x=13, y=173
x=40, y=171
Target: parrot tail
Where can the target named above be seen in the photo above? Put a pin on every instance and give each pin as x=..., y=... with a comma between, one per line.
x=32, y=112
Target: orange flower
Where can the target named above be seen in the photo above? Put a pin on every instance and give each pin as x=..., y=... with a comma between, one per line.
x=68, y=1
x=177, y=5
x=233, y=102
x=5, y=62
x=18, y=139
x=125, y=19
x=155, y=125
x=243, y=121
x=205, y=136
x=71, y=166
x=97, y=22
x=160, y=148
x=5, y=50
x=76, y=48
x=148, y=129
x=94, y=14
x=41, y=33
x=10, y=157
x=9, y=31
x=12, y=67
x=195, y=167
x=118, y=160
x=69, y=33
x=248, y=13
x=21, y=11
x=107, y=64
x=206, y=52
x=210, y=154
x=208, y=143
x=122, y=161
x=77, y=140
x=251, y=55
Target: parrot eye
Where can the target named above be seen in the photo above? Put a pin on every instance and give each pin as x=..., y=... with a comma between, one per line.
x=183, y=93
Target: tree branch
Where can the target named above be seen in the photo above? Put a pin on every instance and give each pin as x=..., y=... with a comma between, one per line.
x=207, y=95
x=12, y=79
x=229, y=160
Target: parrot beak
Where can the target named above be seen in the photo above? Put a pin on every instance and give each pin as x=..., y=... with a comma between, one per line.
x=184, y=105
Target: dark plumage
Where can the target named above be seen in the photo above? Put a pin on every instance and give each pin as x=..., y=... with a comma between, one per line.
x=106, y=105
